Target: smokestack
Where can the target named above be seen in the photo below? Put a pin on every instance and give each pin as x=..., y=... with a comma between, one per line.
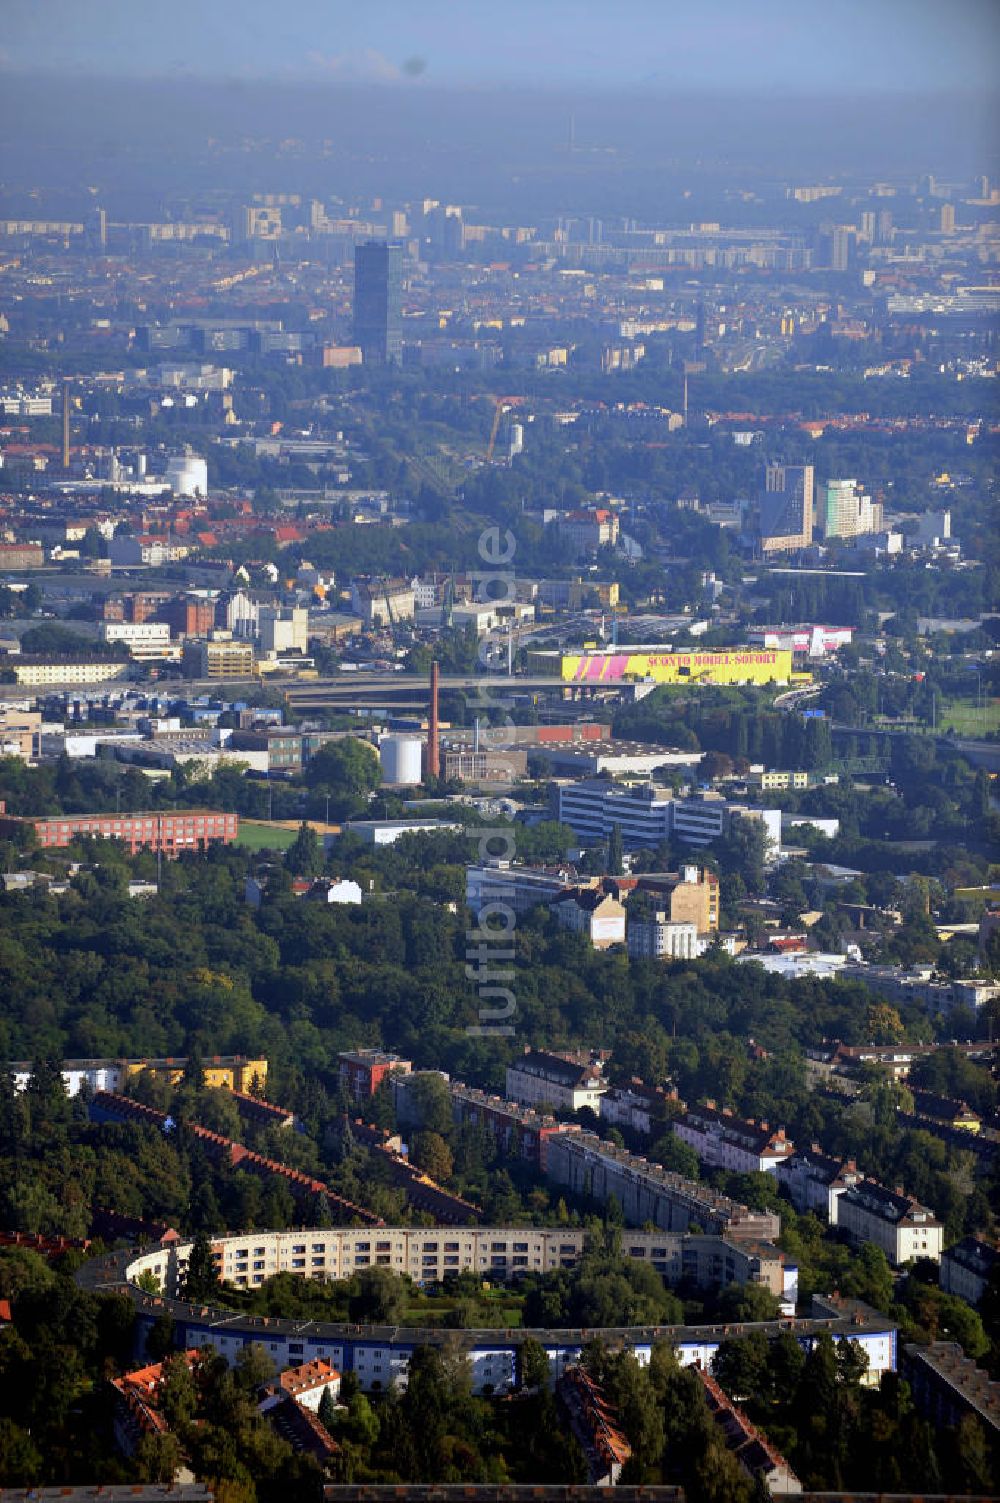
x=433, y=746
x=65, y=421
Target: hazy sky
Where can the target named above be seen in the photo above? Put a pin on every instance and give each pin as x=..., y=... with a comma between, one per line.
x=795, y=45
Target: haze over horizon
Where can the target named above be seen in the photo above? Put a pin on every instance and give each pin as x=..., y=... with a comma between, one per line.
x=469, y=103
x=895, y=46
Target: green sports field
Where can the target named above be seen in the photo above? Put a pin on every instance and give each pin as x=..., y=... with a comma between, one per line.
x=967, y=718
x=259, y=836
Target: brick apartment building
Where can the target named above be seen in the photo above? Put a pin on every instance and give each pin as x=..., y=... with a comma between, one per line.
x=362, y=1071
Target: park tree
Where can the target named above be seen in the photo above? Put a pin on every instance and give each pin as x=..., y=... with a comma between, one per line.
x=161, y=1339
x=178, y=1392
x=201, y=1280
x=378, y=1297
x=304, y=857
x=533, y=1364
x=327, y=1412
x=347, y=772
x=432, y=1154
x=742, y=1368
x=429, y=1101
x=883, y=1024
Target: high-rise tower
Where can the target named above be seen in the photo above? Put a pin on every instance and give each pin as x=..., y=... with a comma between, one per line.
x=378, y=314
x=786, y=507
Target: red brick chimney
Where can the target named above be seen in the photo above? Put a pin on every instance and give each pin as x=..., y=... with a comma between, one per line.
x=433, y=741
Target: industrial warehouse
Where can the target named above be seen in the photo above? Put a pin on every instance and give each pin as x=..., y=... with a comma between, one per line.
x=659, y=665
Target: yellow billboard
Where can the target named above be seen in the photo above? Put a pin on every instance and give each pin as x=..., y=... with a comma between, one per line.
x=741, y=665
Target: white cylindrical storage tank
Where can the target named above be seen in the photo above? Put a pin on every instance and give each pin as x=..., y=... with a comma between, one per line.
x=401, y=758
x=187, y=475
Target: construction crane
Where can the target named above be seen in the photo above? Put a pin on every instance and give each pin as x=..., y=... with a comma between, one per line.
x=503, y=404
x=388, y=605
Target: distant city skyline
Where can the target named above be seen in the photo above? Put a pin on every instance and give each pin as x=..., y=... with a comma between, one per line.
x=891, y=46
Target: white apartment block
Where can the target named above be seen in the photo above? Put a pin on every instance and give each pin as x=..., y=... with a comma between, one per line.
x=379, y=1357
x=659, y=938
x=68, y=671
x=542, y=1079
x=145, y=640
x=723, y=1141
x=638, y=1107
x=430, y=1254
x=899, y=1225
x=918, y=984
x=815, y=1182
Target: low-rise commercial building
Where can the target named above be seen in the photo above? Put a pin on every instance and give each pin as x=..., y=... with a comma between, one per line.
x=611, y=758
x=388, y=831
x=282, y=746
x=612, y=666
x=519, y=888
x=650, y=816
x=811, y=639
